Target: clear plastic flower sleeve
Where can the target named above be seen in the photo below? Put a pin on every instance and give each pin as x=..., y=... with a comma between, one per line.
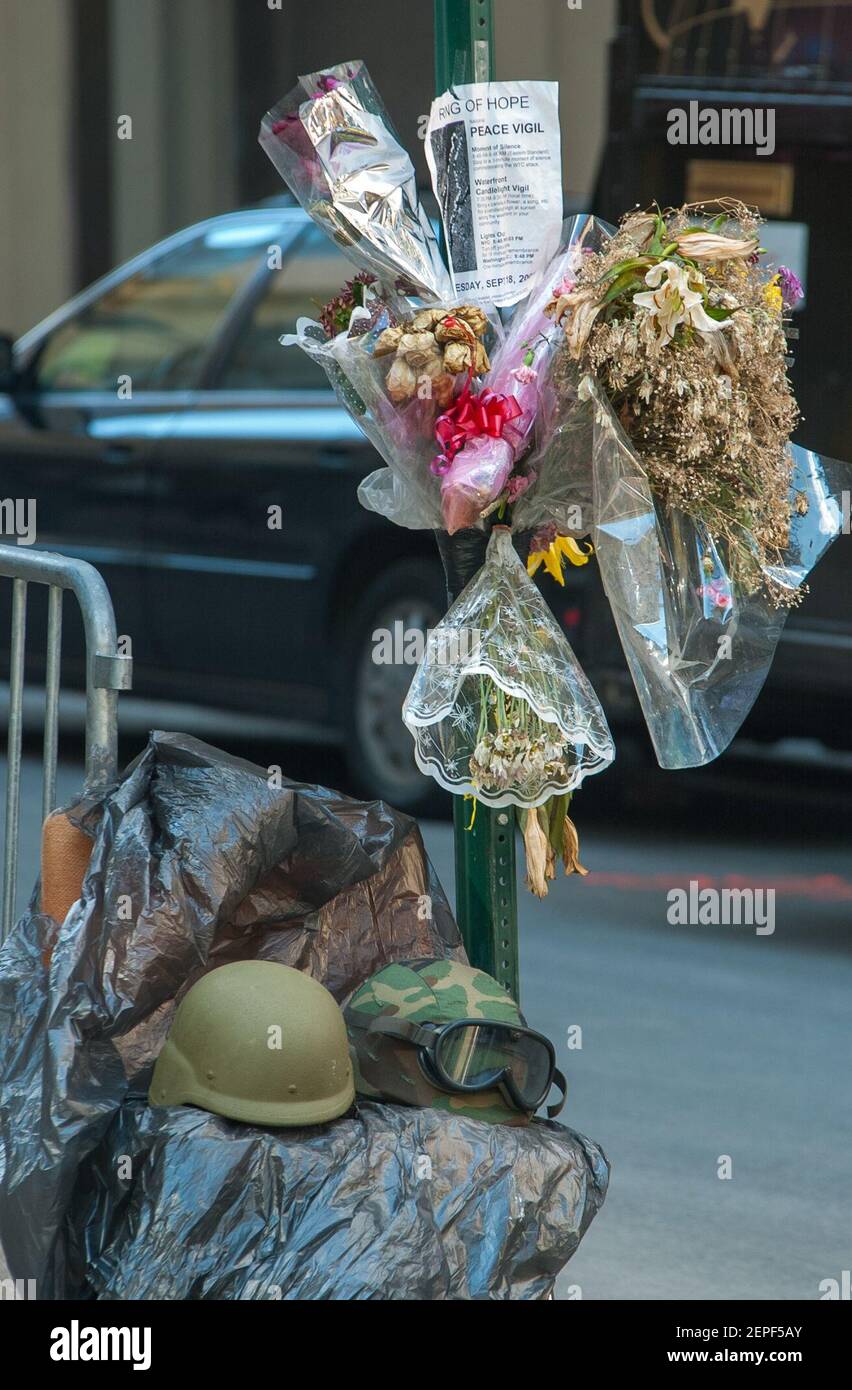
x=405, y=491
x=499, y=707
x=560, y=459
x=698, y=647
x=396, y=399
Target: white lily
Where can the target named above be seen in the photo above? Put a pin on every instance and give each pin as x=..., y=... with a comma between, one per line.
x=672, y=300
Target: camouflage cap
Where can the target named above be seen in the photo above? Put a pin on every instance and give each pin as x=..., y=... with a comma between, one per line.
x=425, y=991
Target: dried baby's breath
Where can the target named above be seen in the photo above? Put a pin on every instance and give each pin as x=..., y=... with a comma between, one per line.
x=710, y=413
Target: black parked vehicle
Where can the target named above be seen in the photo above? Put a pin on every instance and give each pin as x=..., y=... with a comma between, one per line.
x=159, y=427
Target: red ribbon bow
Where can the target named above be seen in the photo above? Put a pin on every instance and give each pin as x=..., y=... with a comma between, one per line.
x=471, y=417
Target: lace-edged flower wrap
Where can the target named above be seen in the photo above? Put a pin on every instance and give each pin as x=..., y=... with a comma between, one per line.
x=499, y=707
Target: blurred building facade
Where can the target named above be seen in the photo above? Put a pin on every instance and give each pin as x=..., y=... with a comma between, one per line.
x=78, y=196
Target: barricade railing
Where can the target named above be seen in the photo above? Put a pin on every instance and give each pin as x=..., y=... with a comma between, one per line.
x=107, y=672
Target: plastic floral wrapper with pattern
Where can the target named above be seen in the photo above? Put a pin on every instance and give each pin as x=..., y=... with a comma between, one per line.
x=499, y=707
x=332, y=142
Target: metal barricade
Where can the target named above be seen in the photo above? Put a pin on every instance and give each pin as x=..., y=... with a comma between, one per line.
x=107, y=672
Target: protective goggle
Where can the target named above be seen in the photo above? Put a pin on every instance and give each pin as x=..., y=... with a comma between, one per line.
x=470, y=1055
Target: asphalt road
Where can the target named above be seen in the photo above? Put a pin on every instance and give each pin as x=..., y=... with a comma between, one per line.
x=699, y=1042
x=703, y=1047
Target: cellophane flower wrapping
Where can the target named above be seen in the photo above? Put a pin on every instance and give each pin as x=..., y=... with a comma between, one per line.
x=481, y=469
x=499, y=706
x=561, y=491
x=333, y=143
x=699, y=611
x=406, y=491
x=698, y=646
x=489, y=422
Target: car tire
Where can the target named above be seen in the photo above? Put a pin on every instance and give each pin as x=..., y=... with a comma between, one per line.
x=379, y=750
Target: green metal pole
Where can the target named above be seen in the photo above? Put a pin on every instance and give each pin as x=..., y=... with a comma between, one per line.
x=464, y=42
x=486, y=891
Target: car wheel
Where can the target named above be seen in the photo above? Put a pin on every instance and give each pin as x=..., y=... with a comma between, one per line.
x=409, y=596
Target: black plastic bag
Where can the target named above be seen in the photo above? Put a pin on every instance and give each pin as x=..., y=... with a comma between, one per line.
x=200, y=858
x=389, y=1202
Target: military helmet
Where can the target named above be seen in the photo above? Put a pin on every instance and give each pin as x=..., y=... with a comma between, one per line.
x=442, y=1034
x=259, y=1042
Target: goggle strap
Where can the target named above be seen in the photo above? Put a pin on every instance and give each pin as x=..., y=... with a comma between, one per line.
x=392, y=1027
x=558, y=1080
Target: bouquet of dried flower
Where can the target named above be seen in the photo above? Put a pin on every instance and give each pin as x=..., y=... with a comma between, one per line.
x=455, y=401
x=667, y=438
x=684, y=331
x=397, y=370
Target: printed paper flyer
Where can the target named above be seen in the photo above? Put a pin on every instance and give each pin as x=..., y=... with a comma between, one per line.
x=494, y=154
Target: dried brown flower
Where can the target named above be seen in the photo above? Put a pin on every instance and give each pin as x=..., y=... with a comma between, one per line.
x=536, y=846
x=438, y=344
x=571, y=848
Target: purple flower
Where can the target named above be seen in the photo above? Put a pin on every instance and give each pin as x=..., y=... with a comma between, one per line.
x=790, y=286
x=524, y=374
x=517, y=485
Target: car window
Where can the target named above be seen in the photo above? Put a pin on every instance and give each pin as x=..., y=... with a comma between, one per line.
x=313, y=272
x=156, y=326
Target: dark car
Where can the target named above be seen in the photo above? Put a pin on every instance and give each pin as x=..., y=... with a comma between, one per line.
x=210, y=475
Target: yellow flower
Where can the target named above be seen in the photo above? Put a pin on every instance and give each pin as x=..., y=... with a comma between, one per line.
x=562, y=549
x=773, y=296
